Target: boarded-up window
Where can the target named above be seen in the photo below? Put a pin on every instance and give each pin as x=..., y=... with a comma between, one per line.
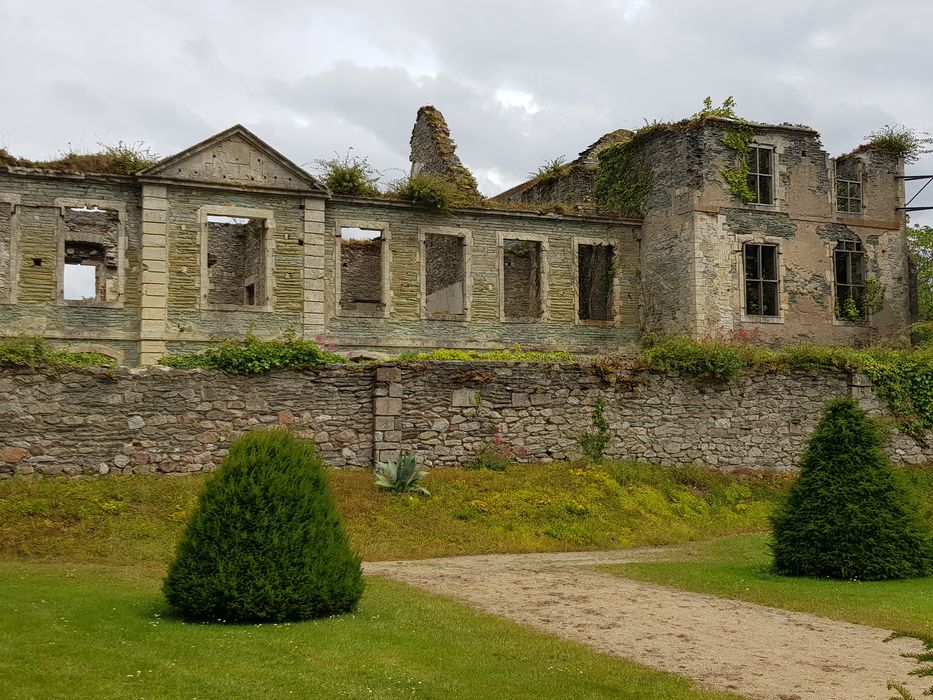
x=90, y=269
x=444, y=276
x=361, y=272
x=521, y=279
x=236, y=261
x=594, y=276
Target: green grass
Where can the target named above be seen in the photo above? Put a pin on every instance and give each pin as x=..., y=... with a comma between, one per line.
x=528, y=508
x=739, y=567
x=98, y=632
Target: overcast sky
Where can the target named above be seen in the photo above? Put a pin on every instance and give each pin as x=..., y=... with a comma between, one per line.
x=519, y=81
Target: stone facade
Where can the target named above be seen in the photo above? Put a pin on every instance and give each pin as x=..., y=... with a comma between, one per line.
x=164, y=421
x=229, y=236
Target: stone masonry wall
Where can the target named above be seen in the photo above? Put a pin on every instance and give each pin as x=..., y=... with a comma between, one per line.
x=163, y=421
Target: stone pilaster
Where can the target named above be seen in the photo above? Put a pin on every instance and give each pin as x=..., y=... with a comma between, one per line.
x=313, y=272
x=387, y=407
x=154, y=300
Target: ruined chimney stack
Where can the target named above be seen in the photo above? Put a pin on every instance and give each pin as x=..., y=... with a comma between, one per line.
x=434, y=153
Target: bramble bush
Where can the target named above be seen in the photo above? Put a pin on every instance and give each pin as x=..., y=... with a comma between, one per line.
x=265, y=542
x=847, y=515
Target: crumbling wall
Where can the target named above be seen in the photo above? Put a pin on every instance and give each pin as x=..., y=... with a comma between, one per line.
x=235, y=260
x=521, y=276
x=361, y=276
x=444, y=280
x=433, y=153
x=405, y=327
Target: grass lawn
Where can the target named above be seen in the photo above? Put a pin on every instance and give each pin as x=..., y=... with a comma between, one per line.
x=528, y=508
x=739, y=567
x=94, y=631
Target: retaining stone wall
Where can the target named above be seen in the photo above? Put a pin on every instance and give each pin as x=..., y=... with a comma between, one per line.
x=165, y=421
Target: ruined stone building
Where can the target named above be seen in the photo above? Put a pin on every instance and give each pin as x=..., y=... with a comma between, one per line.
x=230, y=236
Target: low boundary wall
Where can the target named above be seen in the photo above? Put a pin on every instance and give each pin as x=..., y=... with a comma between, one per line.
x=169, y=421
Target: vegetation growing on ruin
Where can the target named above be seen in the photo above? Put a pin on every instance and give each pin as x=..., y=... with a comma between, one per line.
x=622, y=182
x=121, y=159
x=871, y=301
x=428, y=191
x=513, y=354
x=34, y=352
x=900, y=141
x=902, y=377
x=459, y=177
x=349, y=175
x=254, y=356
x=551, y=170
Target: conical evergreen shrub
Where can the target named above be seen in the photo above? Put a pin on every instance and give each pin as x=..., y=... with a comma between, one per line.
x=265, y=543
x=847, y=515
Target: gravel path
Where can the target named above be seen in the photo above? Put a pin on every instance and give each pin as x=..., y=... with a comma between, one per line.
x=724, y=644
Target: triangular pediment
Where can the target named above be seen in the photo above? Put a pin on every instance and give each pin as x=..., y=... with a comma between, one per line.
x=235, y=158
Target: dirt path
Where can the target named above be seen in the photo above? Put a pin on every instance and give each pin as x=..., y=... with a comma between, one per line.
x=723, y=644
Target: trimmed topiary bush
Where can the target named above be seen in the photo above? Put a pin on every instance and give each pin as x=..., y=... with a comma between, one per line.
x=265, y=543
x=847, y=515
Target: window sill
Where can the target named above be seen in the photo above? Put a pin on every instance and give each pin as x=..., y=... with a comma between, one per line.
x=349, y=314
x=526, y=319
x=762, y=319
x=594, y=322
x=462, y=318
x=266, y=308
x=80, y=303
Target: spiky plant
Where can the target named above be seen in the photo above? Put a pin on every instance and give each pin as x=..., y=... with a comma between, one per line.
x=401, y=475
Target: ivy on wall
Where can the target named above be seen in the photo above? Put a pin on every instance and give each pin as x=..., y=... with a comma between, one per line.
x=622, y=184
x=738, y=139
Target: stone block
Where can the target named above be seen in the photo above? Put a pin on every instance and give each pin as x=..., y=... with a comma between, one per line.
x=384, y=423
x=388, y=406
x=389, y=374
x=461, y=398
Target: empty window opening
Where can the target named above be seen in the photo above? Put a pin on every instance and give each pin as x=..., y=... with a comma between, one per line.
x=521, y=279
x=761, y=280
x=761, y=173
x=83, y=278
x=90, y=270
x=444, y=279
x=849, y=196
x=236, y=260
x=6, y=249
x=595, y=274
x=361, y=271
x=849, y=264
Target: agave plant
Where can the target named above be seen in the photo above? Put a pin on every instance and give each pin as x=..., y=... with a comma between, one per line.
x=401, y=475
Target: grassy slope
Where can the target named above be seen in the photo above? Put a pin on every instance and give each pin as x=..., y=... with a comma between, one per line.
x=739, y=567
x=558, y=507
x=94, y=631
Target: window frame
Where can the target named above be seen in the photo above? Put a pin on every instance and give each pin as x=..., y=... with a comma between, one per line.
x=63, y=204
x=614, y=304
x=13, y=201
x=385, y=259
x=848, y=197
x=268, y=233
x=466, y=237
x=857, y=250
x=543, y=284
x=755, y=174
x=761, y=281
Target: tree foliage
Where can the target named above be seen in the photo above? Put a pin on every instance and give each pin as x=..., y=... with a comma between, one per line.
x=848, y=516
x=265, y=543
x=920, y=242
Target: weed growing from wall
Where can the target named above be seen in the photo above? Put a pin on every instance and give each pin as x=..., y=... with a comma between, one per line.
x=350, y=175
x=33, y=352
x=594, y=443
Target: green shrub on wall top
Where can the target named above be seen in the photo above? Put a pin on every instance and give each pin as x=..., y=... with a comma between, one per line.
x=254, y=356
x=847, y=516
x=265, y=543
